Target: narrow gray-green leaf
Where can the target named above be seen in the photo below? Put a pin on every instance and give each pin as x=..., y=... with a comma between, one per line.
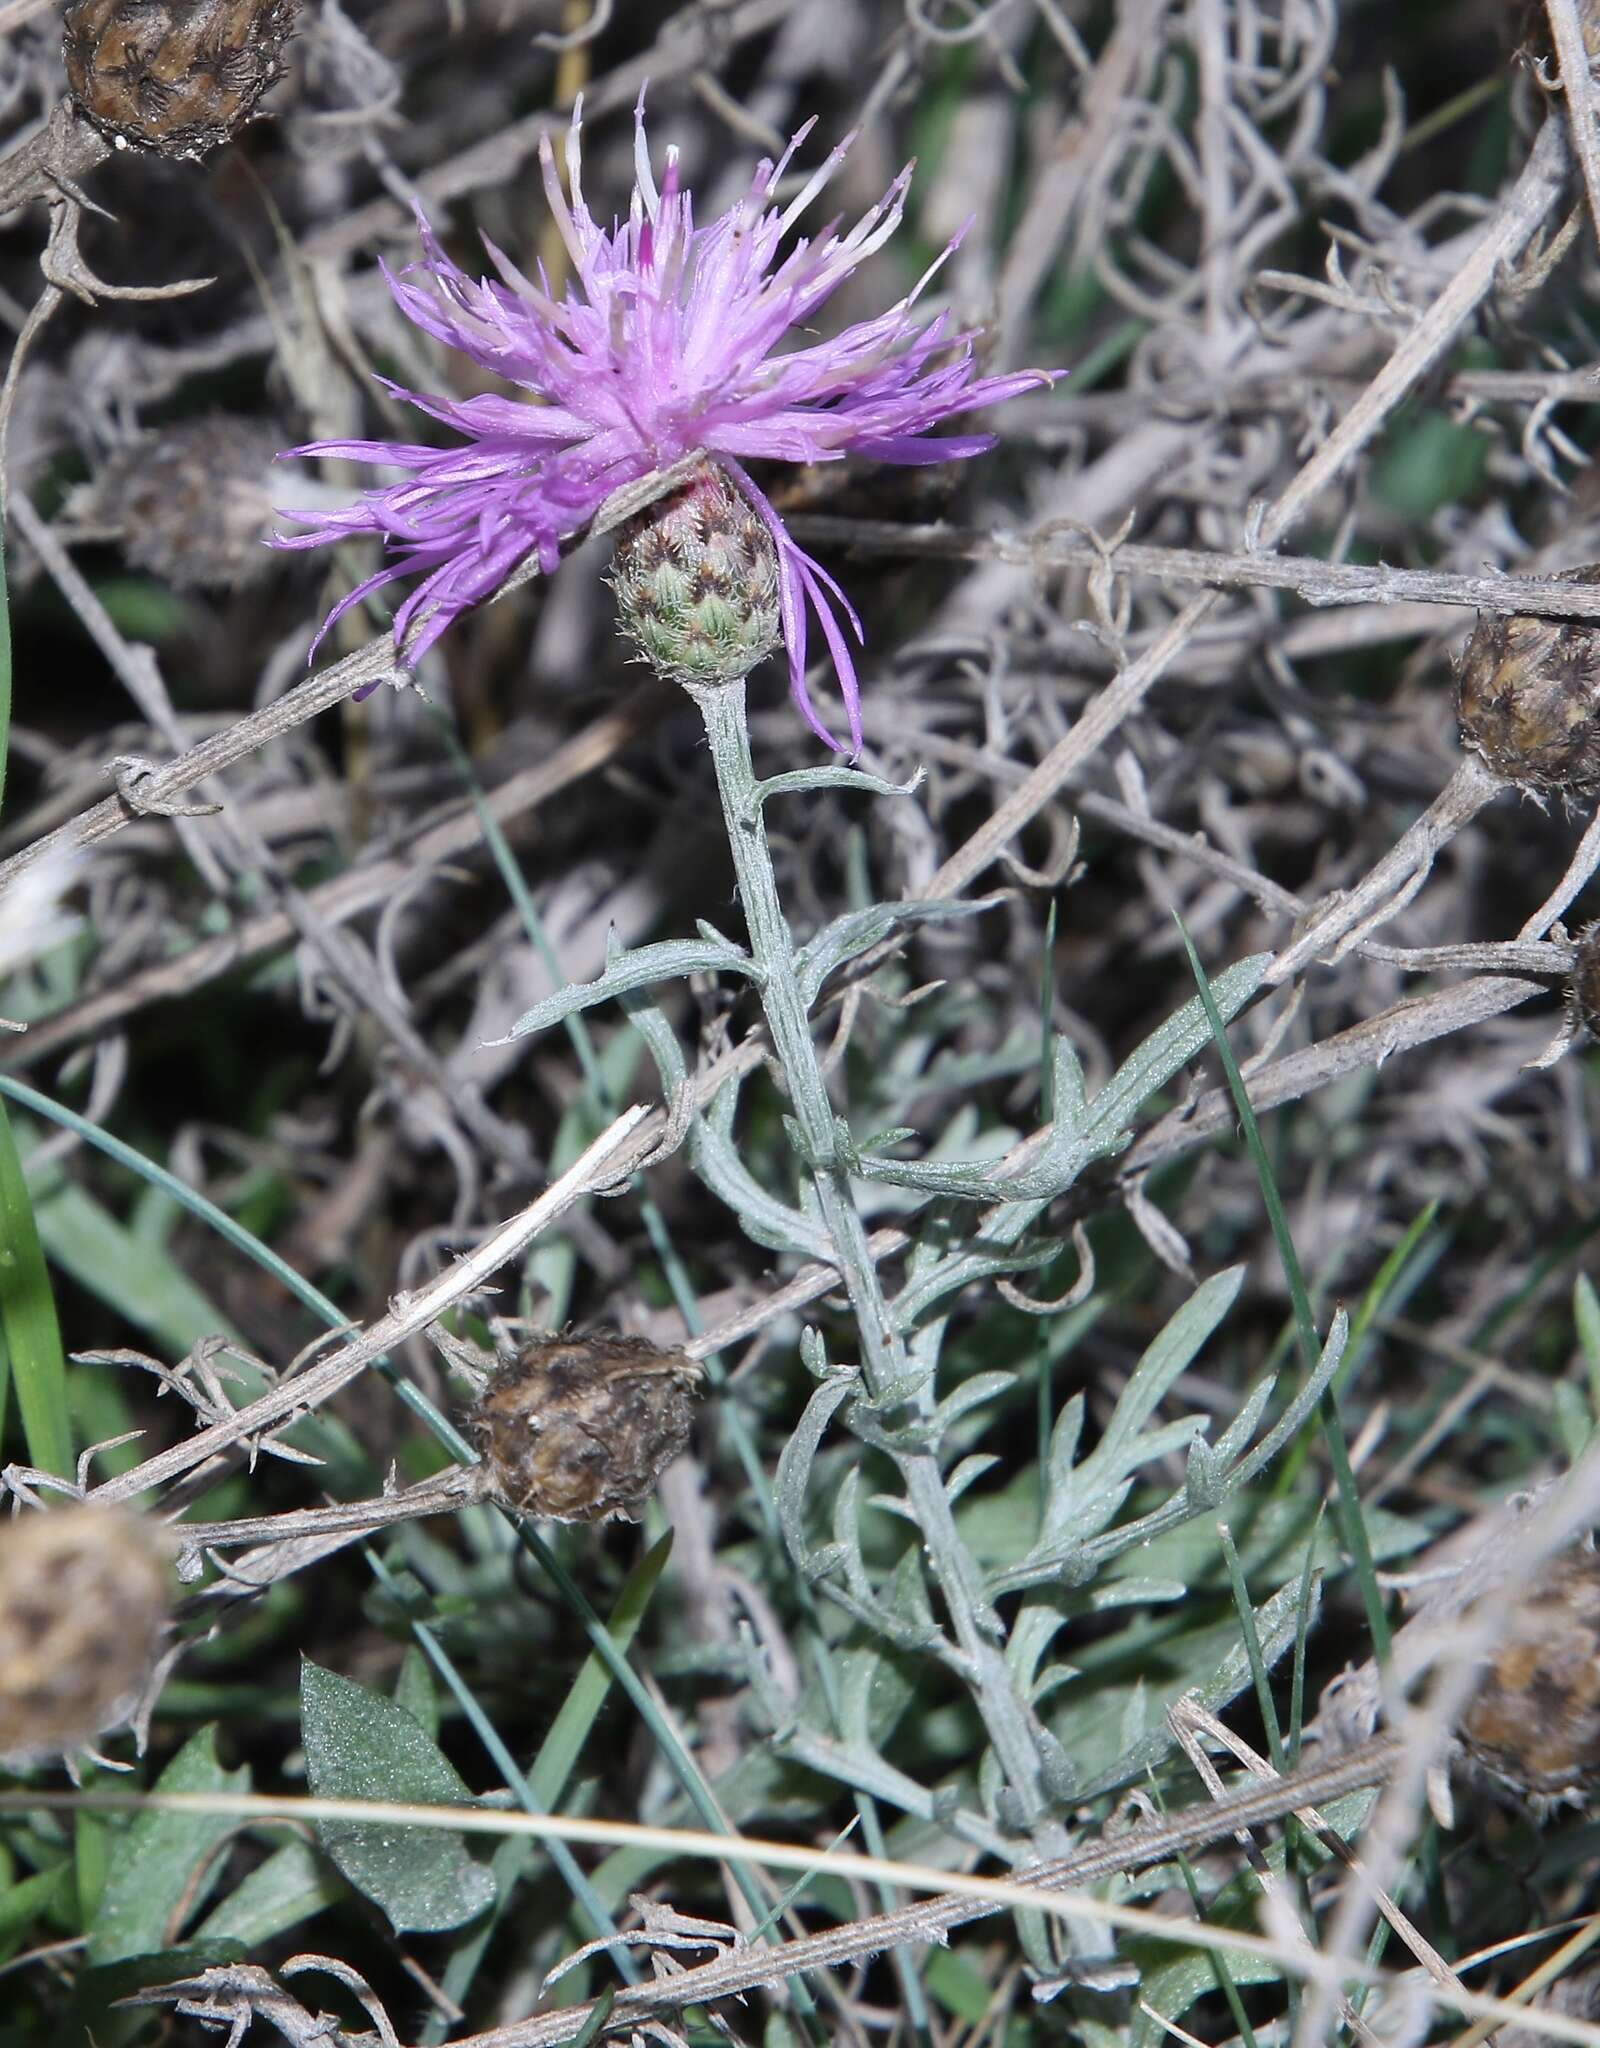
x=858, y=930
x=794, y=1462
x=1170, y=1047
x=638, y=967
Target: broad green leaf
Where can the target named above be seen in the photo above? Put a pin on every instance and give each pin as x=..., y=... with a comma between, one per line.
x=153, y=1865
x=1172, y=1979
x=91, y=1835
x=1210, y=1662
x=289, y=1887
x=959, y=1988
x=360, y=1745
x=21, y=1903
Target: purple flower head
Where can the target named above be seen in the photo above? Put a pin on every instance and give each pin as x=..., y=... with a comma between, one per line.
x=668, y=342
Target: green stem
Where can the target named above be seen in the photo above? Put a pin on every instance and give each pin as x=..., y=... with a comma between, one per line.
x=883, y=1355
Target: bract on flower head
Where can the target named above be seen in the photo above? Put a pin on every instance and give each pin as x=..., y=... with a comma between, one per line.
x=668, y=340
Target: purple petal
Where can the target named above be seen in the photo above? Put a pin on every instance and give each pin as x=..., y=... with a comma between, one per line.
x=667, y=339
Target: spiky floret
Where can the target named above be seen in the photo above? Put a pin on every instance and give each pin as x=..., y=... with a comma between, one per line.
x=668, y=340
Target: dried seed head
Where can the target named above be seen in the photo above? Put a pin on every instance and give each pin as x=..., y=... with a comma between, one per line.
x=178, y=76
x=696, y=577
x=1583, y=988
x=1535, y=1718
x=1528, y=697
x=193, y=503
x=576, y=1429
x=83, y=1607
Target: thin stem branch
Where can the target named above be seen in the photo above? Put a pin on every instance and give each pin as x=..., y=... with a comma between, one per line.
x=1577, y=83
x=1319, y=583
x=1185, y=1832
x=883, y=1354
x=596, y=1167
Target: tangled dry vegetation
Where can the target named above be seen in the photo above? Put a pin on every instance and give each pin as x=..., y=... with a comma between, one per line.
x=1214, y=1434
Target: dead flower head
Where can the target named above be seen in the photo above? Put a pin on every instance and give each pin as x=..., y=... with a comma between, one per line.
x=578, y=1429
x=84, y=1597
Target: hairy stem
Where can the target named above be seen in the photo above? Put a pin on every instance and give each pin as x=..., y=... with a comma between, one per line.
x=883, y=1354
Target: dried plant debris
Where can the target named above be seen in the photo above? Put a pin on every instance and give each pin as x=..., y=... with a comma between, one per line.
x=1532, y=28
x=176, y=76
x=580, y=1428
x=84, y=1595
x=1534, y=1720
x=193, y=503
x=1583, y=987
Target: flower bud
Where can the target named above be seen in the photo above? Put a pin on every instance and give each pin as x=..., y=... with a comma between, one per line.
x=1528, y=697
x=178, y=76
x=696, y=578
x=83, y=1608
x=577, y=1429
x=1535, y=1719
x=193, y=503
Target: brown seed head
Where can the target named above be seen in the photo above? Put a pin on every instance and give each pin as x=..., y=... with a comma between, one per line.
x=193, y=502
x=577, y=1429
x=1584, y=985
x=83, y=1607
x=178, y=76
x=1535, y=1718
x=1528, y=697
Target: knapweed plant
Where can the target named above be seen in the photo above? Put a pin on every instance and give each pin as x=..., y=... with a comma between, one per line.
x=670, y=345
x=909, y=1262
x=676, y=356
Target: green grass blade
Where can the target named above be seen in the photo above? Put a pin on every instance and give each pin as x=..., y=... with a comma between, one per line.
x=542, y=1788
x=558, y=1753
x=1251, y=1636
x=1387, y=1278
x=30, y=1337
x=591, y=2029
x=1302, y=1630
x=236, y=1234
x=1403, y=1270
x=38, y=1367
x=1352, y=1526
x=1219, y=1962
x=159, y=1176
